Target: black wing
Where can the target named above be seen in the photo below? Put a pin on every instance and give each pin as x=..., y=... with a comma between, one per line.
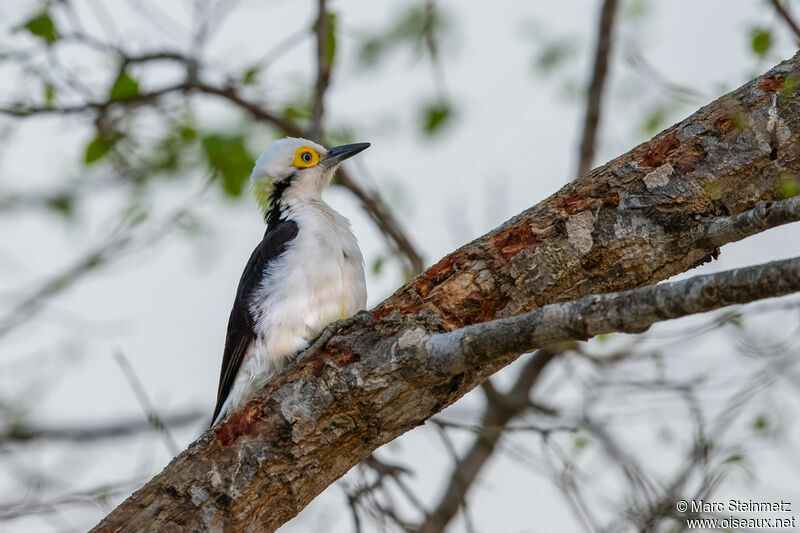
x=241, y=326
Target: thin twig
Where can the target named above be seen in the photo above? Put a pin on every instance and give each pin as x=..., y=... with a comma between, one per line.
x=501, y=409
x=85, y=433
x=787, y=17
x=594, y=96
x=100, y=255
x=141, y=395
x=322, y=29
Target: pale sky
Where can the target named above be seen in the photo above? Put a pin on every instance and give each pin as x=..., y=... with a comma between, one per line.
x=513, y=143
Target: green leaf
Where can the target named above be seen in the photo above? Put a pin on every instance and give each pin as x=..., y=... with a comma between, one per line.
x=761, y=423
x=636, y=9
x=554, y=54
x=96, y=149
x=229, y=158
x=124, y=88
x=581, y=441
x=297, y=112
x=62, y=204
x=435, y=116
x=602, y=338
x=421, y=27
x=341, y=135
x=49, y=95
x=654, y=121
x=377, y=264
x=371, y=50
x=42, y=26
x=188, y=133
x=761, y=41
x=250, y=76
x=330, y=43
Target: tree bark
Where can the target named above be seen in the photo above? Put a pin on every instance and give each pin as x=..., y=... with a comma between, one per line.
x=662, y=208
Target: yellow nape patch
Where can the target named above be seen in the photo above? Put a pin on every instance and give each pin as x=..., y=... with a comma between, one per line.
x=305, y=157
x=262, y=190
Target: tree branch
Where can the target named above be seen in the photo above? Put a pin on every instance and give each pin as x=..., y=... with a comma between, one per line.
x=594, y=96
x=322, y=30
x=631, y=311
x=787, y=18
x=500, y=411
x=371, y=202
x=641, y=218
x=81, y=433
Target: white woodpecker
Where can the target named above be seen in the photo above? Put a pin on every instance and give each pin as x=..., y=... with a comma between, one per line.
x=305, y=273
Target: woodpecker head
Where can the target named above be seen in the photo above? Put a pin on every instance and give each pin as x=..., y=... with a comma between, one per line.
x=299, y=164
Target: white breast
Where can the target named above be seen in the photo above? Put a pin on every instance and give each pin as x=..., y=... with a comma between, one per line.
x=317, y=280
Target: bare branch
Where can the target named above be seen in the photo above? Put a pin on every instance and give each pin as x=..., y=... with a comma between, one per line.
x=81, y=433
x=594, y=95
x=150, y=411
x=500, y=411
x=322, y=29
x=787, y=18
x=631, y=311
x=117, y=243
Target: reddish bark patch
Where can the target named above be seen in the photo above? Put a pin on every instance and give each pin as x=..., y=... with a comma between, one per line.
x=660, y=150
x=773, y=84
x=404, y=305
x=512, y=240
x=240, y=424
x=486, y=309
x=435, y=275
x=572, y=204
x=381, y=312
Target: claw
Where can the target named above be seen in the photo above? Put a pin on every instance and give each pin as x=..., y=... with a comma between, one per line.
x=362, y=317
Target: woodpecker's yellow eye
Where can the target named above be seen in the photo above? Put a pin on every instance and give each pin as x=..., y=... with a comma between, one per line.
x=306, y=157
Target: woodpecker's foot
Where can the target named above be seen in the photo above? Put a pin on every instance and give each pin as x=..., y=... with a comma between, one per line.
x=362, y=317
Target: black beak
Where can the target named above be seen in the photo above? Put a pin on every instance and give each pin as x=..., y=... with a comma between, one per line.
x=337, y=154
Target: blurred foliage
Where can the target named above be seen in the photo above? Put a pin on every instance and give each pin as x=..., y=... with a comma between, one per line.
x=330, y=45
x=250, y=76
x=760, y=41
x=762, y=424
x=49, y=95
x=555, y=53
x=377, y=264
x=63, y=204
x=297, y=111
x=228, y=156
x=97, y=148
x=435, y=116
x=420, y=26
x=581, y=441
x=654, y=120
x=42, y=26
x=170, y=149
x=635, y=9
x=124, y=88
